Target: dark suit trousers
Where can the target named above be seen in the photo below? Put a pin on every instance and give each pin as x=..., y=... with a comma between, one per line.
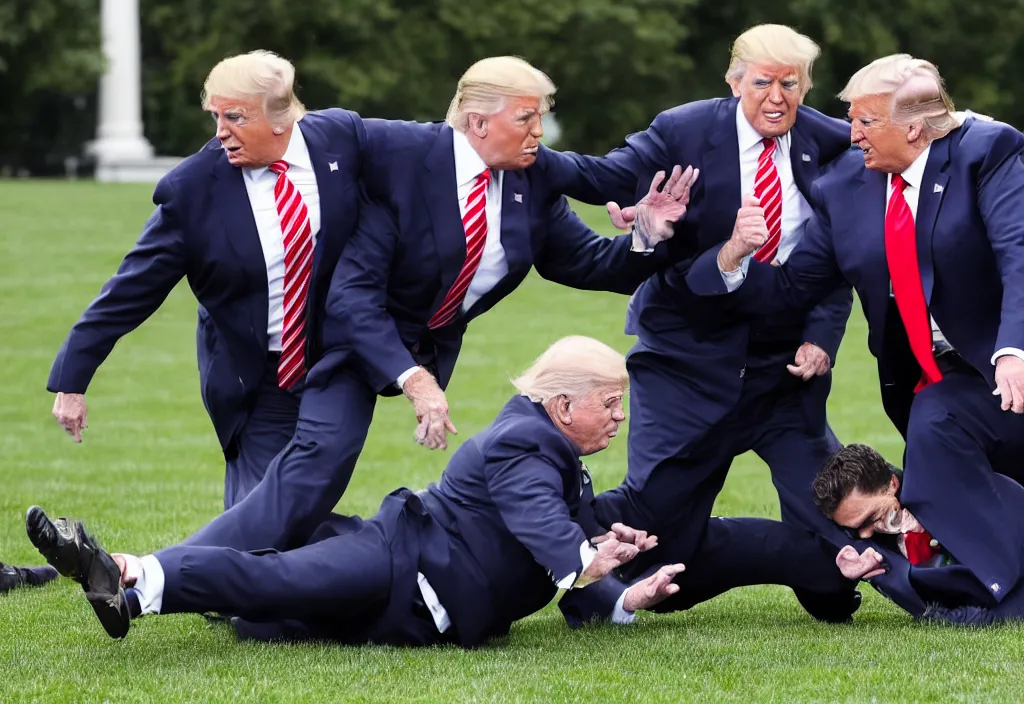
x=304, y=482
x=271, y=424
x=672, y=483
x=339, y=578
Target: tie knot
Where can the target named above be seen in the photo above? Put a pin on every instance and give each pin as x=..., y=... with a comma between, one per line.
x=769, y=145
x=483, y=177
x=279, y=167
x=898, y=184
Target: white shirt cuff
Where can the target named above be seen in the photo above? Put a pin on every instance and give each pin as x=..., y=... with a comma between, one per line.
x=400, y=382
x=734, y=279
x=1011, y=351
x=619, y=614
x=150, y=585
x=587, y=554
x=638, y=245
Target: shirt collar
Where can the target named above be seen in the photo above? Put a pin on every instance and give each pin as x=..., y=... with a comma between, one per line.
x=468, y=164
x=749, y=137
x=914, y=173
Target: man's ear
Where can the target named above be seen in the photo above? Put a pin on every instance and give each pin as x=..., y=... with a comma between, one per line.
x=914, y=132
x=478, y=125
x=734, y=84
x=894, y=484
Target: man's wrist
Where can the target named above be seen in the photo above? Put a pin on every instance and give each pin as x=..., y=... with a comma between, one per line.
x=641, y=242
x=728, y=264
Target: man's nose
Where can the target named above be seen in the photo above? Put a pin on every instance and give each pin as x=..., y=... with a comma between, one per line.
x=775, y=93
x=222, y=129
x=537, y=128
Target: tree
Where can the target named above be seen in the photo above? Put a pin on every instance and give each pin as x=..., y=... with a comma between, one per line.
x=50, y=62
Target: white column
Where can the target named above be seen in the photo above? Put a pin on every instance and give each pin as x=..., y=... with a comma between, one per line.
x=119, y=135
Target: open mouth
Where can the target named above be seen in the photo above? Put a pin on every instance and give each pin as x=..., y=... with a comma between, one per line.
x=777, y=115
x=532, y=151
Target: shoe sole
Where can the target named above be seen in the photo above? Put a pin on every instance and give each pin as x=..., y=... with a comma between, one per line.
x=112, y=611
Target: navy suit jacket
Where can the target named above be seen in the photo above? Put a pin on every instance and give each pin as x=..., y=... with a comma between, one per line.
x=203, y=230
x=705, y=340
x=497, y=531
x=970, y=246
x=410, y=246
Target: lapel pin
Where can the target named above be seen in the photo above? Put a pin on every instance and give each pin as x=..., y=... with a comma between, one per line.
x=518, y=197
x=805, y=157
x=937, y=189
x=333, y=165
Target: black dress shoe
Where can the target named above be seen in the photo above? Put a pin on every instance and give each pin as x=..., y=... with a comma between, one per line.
x=75, y=554
x=11, y=577
x=836, y=607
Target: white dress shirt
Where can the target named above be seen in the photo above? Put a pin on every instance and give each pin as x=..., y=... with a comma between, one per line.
x=795, y=209
x=259, y=184
x=493, y=265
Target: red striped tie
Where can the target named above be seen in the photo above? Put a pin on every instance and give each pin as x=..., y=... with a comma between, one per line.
x=475, y=224
x=298, y=259
x=768, y=190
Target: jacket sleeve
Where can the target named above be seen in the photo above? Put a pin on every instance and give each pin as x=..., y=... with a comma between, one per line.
x=146, y=276
x=825, y=324
x=1000, y=183
x=615, y=176
x=528, y=490
x=357, y=315
x=574, y=255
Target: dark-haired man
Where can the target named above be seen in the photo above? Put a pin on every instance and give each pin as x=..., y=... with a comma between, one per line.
x=945, y=569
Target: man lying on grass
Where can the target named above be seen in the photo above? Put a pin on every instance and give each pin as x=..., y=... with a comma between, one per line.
x=492, y=542
x=962, y=568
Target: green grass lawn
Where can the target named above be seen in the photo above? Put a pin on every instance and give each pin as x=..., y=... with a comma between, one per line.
x=150, y=472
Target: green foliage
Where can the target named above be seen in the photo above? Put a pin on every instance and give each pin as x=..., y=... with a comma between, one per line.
x=616, y=63
x=50, y=61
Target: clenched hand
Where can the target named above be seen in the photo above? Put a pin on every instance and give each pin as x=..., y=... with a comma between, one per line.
x=748, y=234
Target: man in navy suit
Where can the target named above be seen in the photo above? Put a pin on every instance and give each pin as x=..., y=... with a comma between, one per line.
x=708, y=382
x=490, y=543
x=927, y=223
x=456, y=215
x=941, y=561
x=255, y=221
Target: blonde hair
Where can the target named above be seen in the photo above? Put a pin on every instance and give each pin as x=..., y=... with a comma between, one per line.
x=773, y=44
x=485, y=85
x=918, y=95
x=258, y=74
x=574, y=366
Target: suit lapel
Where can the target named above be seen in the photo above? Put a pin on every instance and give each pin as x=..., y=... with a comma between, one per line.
x=929, y=200
x=515, y=221
x=867, y=210
x=440, y=190
x=721, y=175
x=327, y=183
x=803, y=157
x=232, y=202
